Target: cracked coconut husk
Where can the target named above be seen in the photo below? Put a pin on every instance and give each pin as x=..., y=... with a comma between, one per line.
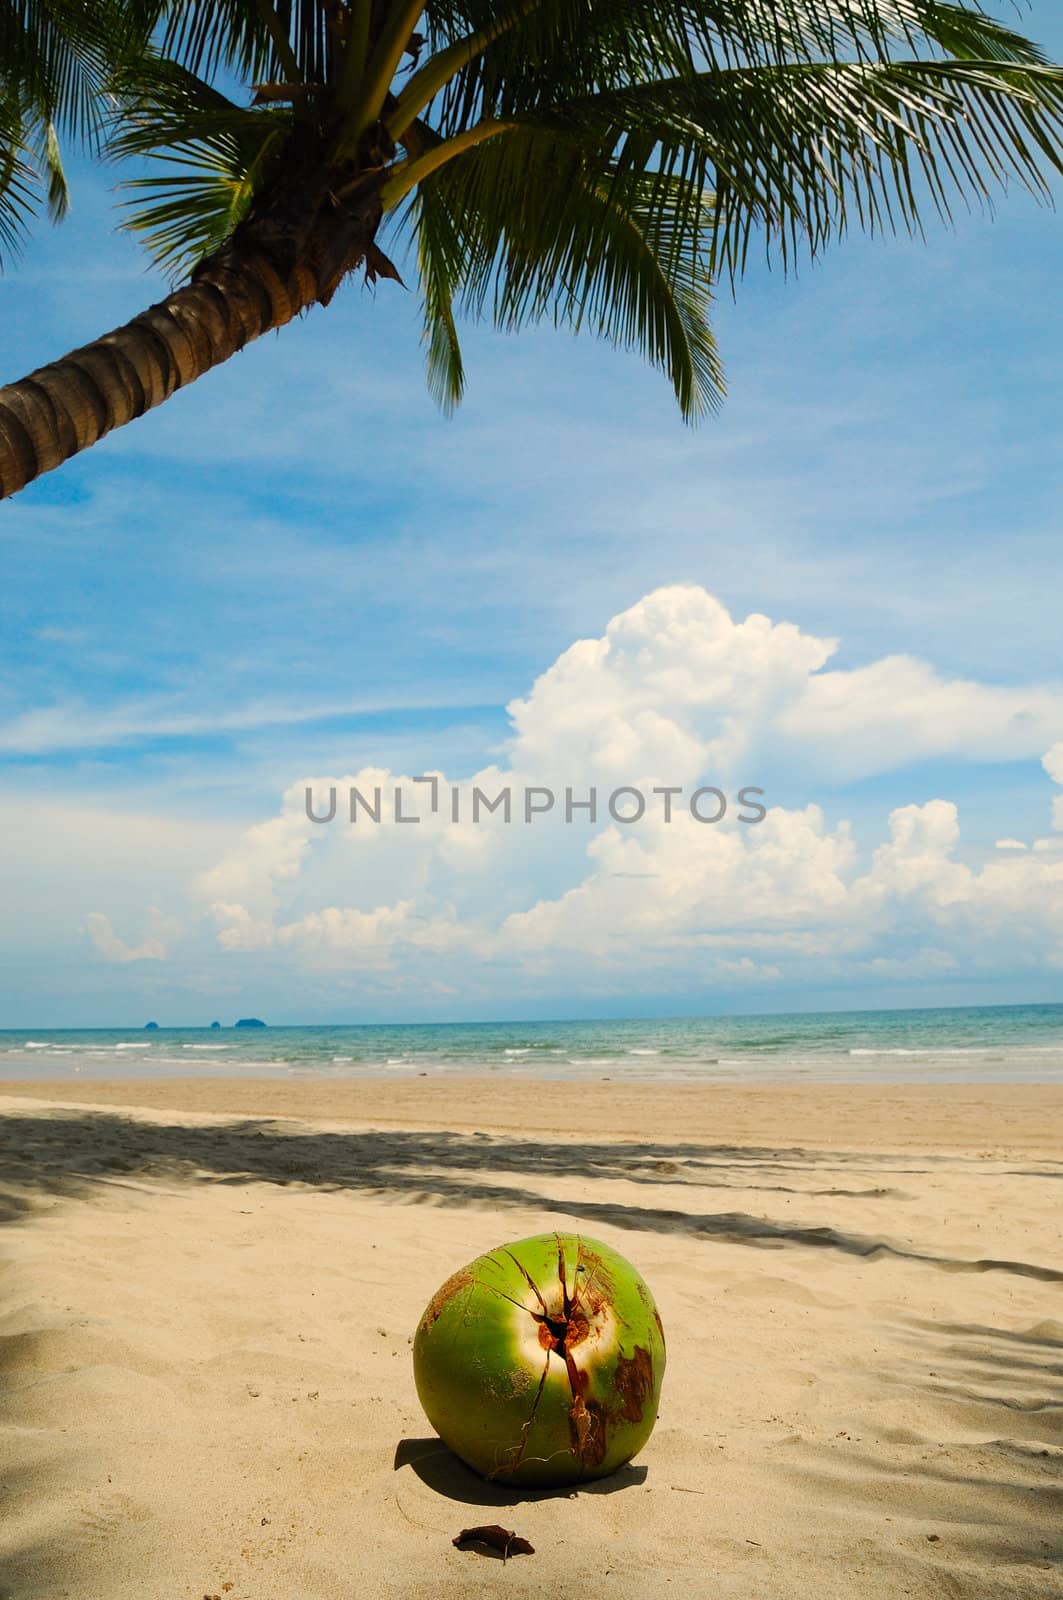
x=574, y=1318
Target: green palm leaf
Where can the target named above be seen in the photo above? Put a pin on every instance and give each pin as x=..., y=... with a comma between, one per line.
x=210, y=158
x=56, y=60
x=253, y=38
x=540, y=50
x=441, y=261
x=799, y=150
x=18, y=179
x=526, y=227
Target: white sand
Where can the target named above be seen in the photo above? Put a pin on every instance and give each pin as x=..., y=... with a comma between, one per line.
x=205, y=1323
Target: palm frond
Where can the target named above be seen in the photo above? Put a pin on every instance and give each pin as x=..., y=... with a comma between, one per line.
x=19, y=195
x=239, y=35
x=526, y=228
x=541, y=51
x=56, y=60
x=60, y=54
x=51, y=160
x=440, y=259
x=796, y=152
x=212, y=156
x=633, y=277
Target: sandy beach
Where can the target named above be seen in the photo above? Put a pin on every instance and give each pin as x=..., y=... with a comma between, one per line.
x=208, y=1290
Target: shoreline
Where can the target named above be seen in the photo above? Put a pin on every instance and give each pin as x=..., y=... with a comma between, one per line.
x=977, y=1118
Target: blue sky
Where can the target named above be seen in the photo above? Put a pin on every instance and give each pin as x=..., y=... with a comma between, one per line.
x=299, y=569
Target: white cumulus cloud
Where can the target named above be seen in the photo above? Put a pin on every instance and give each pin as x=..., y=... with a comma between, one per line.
x=674, y=693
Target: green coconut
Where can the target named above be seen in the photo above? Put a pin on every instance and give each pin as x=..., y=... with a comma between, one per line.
x=540, y=1363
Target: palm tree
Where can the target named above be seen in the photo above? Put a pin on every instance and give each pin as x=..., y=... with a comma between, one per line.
x=599, y=162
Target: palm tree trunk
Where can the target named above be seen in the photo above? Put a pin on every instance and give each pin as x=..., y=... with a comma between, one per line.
x=60, y=409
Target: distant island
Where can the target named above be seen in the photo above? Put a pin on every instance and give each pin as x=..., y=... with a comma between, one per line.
x=250, y=1022
x=215, y=1024
x=151, y=1027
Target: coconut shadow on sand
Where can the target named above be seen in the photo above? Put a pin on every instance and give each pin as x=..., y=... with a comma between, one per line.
x=442, y=1472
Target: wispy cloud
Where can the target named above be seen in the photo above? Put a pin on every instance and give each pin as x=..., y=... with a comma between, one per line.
x=71, y=726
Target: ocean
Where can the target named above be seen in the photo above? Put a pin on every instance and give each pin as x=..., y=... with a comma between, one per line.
x=976, y=1044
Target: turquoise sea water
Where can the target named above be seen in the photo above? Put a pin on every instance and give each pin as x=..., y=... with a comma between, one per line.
x=1010, y=1044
